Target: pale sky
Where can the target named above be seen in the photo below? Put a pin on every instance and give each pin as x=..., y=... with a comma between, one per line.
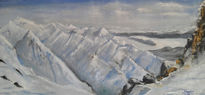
x=127, y=15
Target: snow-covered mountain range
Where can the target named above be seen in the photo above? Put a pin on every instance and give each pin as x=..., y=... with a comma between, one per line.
x=59, y=59
x=78, y=60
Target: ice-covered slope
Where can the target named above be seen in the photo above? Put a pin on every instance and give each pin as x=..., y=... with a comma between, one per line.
x=43, y=62
x=93, y=54
x=52, y=34
x=189, y=80
x=12, y=29
x=18, y=80
x=13, y=83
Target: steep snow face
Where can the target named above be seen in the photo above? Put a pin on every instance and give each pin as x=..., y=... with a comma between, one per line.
x=187, y=81
x=80, y=55
x=18, y=80
x=12, y=29
x=15, y=83
x=44, y=63
x=8, y=55
x=93, y=54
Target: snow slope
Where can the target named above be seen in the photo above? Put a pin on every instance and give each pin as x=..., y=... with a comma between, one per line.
x=189, y=80
x=18, y=80
x=44, y=63
x=94, y=55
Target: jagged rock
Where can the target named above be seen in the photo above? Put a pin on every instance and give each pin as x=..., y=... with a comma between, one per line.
x=147, y=79
x=17, y=85
x=2, y=61
x=163, y=69
x=129, y=86
x=163, y=72
x=19, y=72
x=4, y=77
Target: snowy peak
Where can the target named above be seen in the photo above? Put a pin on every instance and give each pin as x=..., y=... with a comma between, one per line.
x=30, y=36
x=72, y=27
x=103, y=32
x=16, y=79
x=20, y=20
x=44, y=63
x=12, y=32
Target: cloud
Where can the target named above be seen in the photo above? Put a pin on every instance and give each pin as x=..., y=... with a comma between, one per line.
x=160, y=7
x=136, y=16
x=175, y=14
x=143, y=10
x=121, y=13
x=171, y=5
